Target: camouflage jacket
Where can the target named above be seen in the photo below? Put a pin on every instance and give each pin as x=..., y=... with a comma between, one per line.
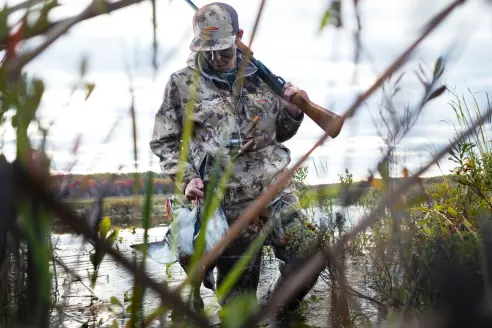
x=216, y=121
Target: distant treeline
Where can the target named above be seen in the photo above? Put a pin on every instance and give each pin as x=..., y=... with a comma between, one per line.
x=92, y=185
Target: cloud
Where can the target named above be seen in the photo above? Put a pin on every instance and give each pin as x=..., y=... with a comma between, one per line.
x=287, y=42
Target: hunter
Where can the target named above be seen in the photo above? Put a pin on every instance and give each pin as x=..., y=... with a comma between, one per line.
x=233, y=106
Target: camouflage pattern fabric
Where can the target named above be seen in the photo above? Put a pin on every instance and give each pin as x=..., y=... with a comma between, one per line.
x=215, y=26
x=220, y=114
x=290, y=239
x=225, y=112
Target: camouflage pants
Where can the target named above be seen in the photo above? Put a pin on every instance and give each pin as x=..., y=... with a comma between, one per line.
x=289, y=238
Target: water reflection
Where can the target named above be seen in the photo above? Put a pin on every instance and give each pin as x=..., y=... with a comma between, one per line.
x=115, y=281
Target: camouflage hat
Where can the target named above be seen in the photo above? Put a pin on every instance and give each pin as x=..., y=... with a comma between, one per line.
x=215, y=26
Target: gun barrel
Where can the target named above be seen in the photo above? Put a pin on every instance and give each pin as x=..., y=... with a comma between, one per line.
x=327, y=120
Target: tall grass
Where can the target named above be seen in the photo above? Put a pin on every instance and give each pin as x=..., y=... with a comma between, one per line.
x=29, y=266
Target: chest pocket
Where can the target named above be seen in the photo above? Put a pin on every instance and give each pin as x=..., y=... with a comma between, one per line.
x=208, y=113
x=213, y=122
x=264, y=105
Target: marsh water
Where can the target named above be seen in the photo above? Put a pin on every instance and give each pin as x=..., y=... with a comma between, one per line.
x=81, y=303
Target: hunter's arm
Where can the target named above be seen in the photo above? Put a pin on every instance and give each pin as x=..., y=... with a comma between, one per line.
x=166, y=136
x=287, y=125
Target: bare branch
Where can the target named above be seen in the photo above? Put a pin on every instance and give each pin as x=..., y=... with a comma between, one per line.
x=16, y=64
x=94, y=12
x=23, y=5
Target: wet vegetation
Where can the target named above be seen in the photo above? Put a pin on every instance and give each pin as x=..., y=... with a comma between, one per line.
x=394, y=250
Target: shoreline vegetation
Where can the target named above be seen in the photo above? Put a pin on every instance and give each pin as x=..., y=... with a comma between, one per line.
x=126, y=211
x=85, y=188
x=423, y=244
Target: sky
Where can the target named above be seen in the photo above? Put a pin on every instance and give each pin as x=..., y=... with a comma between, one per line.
x=289, y=43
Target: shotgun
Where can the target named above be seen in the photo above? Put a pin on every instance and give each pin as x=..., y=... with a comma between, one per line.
x=329, y=121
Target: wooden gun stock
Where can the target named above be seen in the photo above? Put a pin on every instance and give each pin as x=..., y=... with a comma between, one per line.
x=330, y=122
x=327, y=120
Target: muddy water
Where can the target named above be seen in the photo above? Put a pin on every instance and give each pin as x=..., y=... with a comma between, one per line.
x=82, y=304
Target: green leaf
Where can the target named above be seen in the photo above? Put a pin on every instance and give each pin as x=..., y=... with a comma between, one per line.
x=427, y=230
x=113, y=236
x=116, y=301
x=104, y=227
x=89, y=87
x=325, y=20
x=452, y=211
x=424, y=221
x=439, y=91
x=438, y=207
x=238, y=310
x=438, y=68
x=168, y=270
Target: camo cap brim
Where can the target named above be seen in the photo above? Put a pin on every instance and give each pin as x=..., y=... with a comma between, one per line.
x=209, y=45
x=215, y=26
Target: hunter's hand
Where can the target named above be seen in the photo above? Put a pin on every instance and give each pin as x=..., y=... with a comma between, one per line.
x=288, y=91
x=194, y=189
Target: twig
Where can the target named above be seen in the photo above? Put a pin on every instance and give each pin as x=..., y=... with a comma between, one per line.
x=58, y=30
x=363, y=296
x=109, y=7
x=72, y=317
x=61, y=28
x=23, y=5
x=33, y=187
x=257, y=22
x=355, y=293
x=244, y=219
